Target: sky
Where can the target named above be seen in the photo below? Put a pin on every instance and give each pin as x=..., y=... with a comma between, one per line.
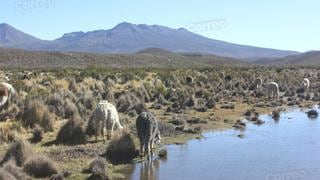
x=278, y=24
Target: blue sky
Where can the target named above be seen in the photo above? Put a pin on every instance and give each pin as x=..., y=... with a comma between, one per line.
x=280, y=24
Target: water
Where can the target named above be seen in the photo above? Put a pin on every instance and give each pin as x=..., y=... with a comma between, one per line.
x=283, y=150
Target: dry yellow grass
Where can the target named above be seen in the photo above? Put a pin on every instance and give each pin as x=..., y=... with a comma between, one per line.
x=61, y=84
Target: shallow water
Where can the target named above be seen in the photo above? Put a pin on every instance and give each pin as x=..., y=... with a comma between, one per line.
x=283, y=150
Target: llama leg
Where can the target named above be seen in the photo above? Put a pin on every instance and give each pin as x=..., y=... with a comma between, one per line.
x=103, y=134
x=141, y=150
x=97, y=129
x=108, y=134
x=148, y=151
x=151, y=148
x=112, y=129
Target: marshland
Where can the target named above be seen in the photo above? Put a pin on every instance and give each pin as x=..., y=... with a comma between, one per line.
x=47, y=129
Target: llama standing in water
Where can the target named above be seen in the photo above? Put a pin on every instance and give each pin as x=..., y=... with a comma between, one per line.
x=148, y=133
x=273, y=90
x=306, y=84
x=107, y=115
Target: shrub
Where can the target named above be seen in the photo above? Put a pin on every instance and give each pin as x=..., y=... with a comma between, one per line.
x=37, y=113
x=40, y=167
x=72, y=132
x=19, y=151
x=121, y=148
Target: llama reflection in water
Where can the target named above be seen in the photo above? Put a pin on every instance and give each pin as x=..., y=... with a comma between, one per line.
x=149, y=170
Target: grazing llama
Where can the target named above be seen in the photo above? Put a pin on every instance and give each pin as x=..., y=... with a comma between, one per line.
x=148, y=133
x=273, y=90
x=107, y=115
x=306, y=84
x=258, y=83
x=7, y=93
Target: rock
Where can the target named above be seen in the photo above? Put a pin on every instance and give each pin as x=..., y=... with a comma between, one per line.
x=312, y=114
x=275, y=114
x=163, y=153
x=241, y=136
x=259, y=122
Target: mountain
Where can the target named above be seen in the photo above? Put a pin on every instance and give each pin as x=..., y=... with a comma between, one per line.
x=308, y=58
x=11, y=37
x=130, y=38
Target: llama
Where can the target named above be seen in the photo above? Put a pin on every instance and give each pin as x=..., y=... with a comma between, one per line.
x=306, y=84
x=258, y=83
x=7, y=93
x=273, y=90
x=106, y=114
x=5, y=78
x=148, y=133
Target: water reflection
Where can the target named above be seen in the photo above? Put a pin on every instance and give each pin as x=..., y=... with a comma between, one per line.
x=149, y=170
x=287, y=148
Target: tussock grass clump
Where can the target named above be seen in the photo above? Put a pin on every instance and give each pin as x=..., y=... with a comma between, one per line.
x=56, y=177
x=89, y=101
x=15, y=171
x=19, y=152
x=70, y=109
x=55, y=102
x=40, y=167
x=121, y=148
x=98, y=169
x=61, y=84
x=37, y=134
x=91, y=128
x=276, y=114
x=37, y=113
x=10, y=113
x=129, y=101
x=9, y=130
x=5, y=175
x=72, y=132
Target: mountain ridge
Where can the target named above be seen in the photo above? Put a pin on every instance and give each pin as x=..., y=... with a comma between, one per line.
x=129, y=38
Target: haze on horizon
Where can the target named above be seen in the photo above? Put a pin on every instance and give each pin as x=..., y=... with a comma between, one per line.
x=290, y=25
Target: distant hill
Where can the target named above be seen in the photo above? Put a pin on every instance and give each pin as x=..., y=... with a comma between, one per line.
x=11, y=37
x=131, y=38
x=308, y=58
x=14, y=58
